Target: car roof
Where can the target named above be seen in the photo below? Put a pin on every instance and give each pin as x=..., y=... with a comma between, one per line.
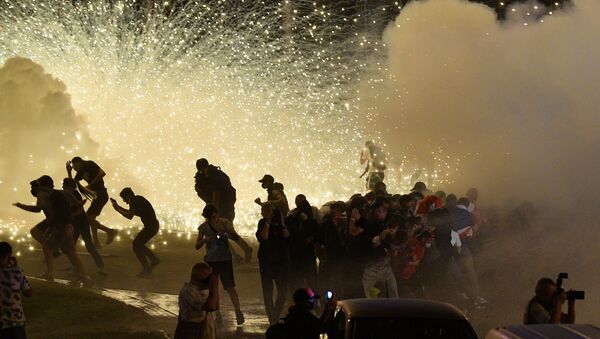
x=400, y=308
x=546, y=331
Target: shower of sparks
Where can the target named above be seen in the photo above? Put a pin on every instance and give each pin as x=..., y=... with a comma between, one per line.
x=255, y=87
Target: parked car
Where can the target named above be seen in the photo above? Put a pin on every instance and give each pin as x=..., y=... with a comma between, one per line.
x=546, y=331
x=399, y=318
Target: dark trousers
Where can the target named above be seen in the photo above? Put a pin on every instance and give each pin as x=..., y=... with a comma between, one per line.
x=16, y=332
x=82, y=227
x=267, y=276
x=303, y=270
x=145, y=255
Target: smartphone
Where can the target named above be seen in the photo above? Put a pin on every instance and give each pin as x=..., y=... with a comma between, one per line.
x=329, y=295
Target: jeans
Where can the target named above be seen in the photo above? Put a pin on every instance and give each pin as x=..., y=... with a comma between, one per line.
x=82, y=227
x=374, y=273
x=145, y=256
x=267, y=277
x=467, y=275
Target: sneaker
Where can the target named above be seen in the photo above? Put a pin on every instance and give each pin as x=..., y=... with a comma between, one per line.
x=239, y=317
x=110, y=236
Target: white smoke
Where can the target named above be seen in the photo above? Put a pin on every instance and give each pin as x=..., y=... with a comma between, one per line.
x=510, y=107
x=513, y=109
x=37, y=126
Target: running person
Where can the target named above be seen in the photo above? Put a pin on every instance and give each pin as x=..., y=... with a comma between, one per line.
x=81, y=224
x=141, y=207
x=57, y=230
x=214, y=187
x=94, y=176
x=215, y=233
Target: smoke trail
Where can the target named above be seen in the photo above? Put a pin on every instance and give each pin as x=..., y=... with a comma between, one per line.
x=37, y=126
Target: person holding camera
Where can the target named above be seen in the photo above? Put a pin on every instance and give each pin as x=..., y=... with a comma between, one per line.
x=546, y=306
x=141, y=207
x=198, y=300
x=300, y=322
x=13, y=284
x=215, y=233
x=273, y=260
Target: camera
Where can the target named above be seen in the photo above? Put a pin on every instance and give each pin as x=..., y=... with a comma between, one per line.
x=329, y=295
x=571, y=294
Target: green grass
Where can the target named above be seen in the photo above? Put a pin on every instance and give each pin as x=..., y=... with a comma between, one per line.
x=57, y=311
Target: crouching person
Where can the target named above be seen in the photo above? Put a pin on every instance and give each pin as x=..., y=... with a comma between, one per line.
x=198, y=299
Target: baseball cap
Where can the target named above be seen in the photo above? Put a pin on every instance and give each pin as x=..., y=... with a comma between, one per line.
x=267, y=178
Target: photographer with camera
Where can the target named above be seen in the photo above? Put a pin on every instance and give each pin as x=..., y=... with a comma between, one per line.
x=546, y=306
x=301, y=322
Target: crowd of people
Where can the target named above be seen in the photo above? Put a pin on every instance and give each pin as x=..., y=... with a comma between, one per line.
x=372, y=245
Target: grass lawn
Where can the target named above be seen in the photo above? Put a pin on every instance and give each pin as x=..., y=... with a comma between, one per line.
x=57, y=311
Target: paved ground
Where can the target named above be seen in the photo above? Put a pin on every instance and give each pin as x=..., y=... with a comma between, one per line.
x=158, y=295
x=507, y=269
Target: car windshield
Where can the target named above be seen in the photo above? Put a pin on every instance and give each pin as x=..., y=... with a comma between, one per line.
x=382, y=328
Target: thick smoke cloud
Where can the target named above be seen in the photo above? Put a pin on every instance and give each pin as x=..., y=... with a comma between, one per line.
x=39, y=129
x=514, y=107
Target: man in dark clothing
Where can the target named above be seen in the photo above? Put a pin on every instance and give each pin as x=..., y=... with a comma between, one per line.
x=91, y=173
x=273, y=259
x=275, y=195
x=303, y=235
x=441, y=222
x=81, y=225
x=56, y=232
x=139, y=206
x=301, y=323
x=463, y=223
x=214, y=187
x=332, y=239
